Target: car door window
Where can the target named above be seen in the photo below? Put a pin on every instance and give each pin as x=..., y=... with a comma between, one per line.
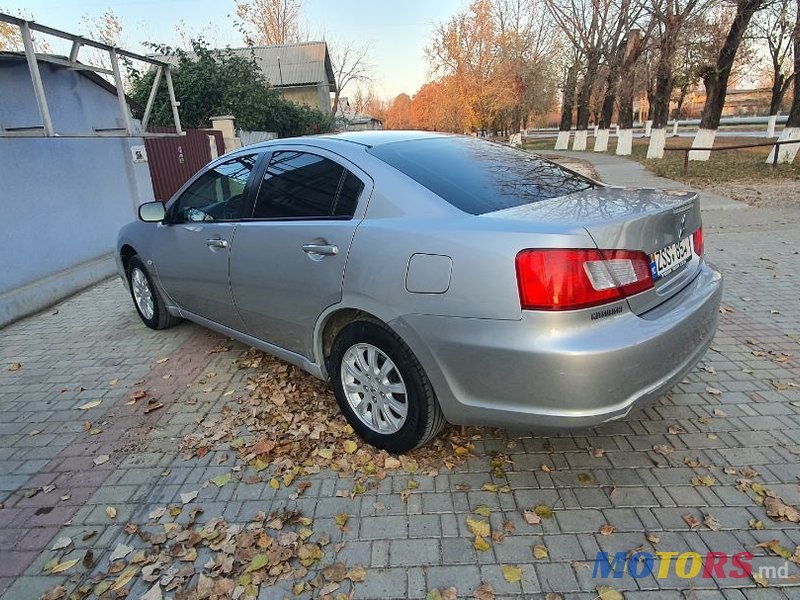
x=304, y=185
x=219, y=194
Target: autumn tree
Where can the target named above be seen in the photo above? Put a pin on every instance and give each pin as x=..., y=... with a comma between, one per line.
x=398, y=116
x=717, y=74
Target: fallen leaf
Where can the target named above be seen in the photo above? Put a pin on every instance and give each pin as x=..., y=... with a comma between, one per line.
x=15, y=366
x=481, y=544
x=334, y=572
x=121, y=551
x=56, y=593
x=221, y=480
x=544, y=511
x=511, y=573
x=703, y=480
x=540, y=552
x=713, y=391
x=478, y=527
x=161, y=361
x=653, y=539
x=711, y=523
x=64, y=566
x=124, y=579
x=90, y=404
x=755, y=524
x=350, y=446
x=760, y=580
x=357, y=574
x=111, y=512
x=259, y=561
x=61, y=543
x=484, y=592
x=188, y=497
x=605, y=592
x=33, y=432
x=607, y=529
x=531, y=518
x=483, y=511
x=341, y=519
x=100, y=460
x=691, y=521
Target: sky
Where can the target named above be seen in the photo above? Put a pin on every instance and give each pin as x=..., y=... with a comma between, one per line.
x=396, y=31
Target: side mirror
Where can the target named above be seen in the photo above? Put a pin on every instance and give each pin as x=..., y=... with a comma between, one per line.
x=152, y=212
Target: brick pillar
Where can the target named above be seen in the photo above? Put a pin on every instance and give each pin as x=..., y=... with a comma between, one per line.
x=225, y=125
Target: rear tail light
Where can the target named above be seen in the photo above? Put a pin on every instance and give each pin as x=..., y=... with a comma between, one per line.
x=551, y=279
x=697, y=241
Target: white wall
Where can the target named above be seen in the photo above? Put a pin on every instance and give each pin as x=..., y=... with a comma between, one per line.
x=63, y=200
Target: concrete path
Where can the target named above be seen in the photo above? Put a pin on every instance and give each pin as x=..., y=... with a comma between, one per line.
x=629, y=173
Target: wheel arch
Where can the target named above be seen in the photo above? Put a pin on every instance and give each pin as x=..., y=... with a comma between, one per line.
x=126, y=253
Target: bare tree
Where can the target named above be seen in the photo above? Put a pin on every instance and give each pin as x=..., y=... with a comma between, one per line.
x=106, y=28
x=791, y=131
x=11, y=39
x=351, y=65
x=270, y=22
x=715, y=76
x=568, y=101
x=774, y=27
x=670, y=17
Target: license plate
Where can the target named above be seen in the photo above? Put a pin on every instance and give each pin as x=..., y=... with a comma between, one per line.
x=672, y=257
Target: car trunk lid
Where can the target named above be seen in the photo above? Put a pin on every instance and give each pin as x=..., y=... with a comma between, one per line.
x=649, y=220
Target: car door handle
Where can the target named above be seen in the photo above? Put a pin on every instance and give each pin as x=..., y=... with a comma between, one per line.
x=217, y=243
x=321, y=249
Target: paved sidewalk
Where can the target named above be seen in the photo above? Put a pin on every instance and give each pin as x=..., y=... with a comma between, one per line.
x=82, y=457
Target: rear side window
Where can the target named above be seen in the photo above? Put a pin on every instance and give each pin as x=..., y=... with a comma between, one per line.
x=477, y=176
x=303, y=185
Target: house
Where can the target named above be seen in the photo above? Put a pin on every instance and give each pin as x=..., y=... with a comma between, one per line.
x=64, y=197
x=302, y=72
x=348, y=119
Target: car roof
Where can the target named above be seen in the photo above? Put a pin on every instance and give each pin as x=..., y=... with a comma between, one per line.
x=367, y=139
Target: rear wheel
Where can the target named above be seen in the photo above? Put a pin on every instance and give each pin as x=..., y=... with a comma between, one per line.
x=146, y=298
x=382, y=389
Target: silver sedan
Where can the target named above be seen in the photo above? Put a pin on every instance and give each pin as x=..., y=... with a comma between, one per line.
x=434, y=278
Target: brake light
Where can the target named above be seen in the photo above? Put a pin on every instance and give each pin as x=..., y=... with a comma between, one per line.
x=555, y=279
x=697, y=241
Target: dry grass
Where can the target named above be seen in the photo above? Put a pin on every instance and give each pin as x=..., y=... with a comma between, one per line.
x=743, y=165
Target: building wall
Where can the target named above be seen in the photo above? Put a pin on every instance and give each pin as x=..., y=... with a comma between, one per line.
x=317, y=96
x=63, y=199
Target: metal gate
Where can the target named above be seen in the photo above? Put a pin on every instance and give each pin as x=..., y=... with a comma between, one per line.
x=173, y=160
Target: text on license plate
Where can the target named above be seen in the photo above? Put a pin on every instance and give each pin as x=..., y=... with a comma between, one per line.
x=674, y=256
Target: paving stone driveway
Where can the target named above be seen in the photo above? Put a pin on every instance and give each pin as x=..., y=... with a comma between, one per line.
x=739, y=409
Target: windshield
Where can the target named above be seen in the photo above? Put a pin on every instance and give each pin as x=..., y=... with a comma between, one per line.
x=477, y=176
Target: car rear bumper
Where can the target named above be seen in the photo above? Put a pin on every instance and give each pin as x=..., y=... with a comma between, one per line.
x=564, y=370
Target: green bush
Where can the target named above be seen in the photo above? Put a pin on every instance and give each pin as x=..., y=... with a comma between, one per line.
x=212, y=82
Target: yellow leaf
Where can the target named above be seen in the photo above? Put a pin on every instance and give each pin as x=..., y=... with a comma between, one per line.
x=543, y=511
x=605, y=592
x=480, y=544
x=540, y=552
x=350, y=446
x=357, y=574
x=124, y=579
x=483, y=511
x=274, y=483
x=760, y=580
x=325, y=453
x=161, y=361
x=15, y=366
x=221, y=480
x=341, y=519
x=111, y=512
x=478, y=527
x=91, y=404
x=64, y=566
x=511, y=573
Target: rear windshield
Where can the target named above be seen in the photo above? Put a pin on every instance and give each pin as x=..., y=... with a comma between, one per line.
x=478, y=176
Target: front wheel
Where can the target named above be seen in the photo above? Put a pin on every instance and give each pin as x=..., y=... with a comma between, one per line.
x=382, y=389
x=146, y=297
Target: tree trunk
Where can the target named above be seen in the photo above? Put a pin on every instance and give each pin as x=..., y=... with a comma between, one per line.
x=569, y=98
x=585, y=93
x=607, y=112
x=716, y=78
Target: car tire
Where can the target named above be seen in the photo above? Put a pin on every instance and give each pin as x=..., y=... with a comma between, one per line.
x=154, y=313
x=379, y=397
